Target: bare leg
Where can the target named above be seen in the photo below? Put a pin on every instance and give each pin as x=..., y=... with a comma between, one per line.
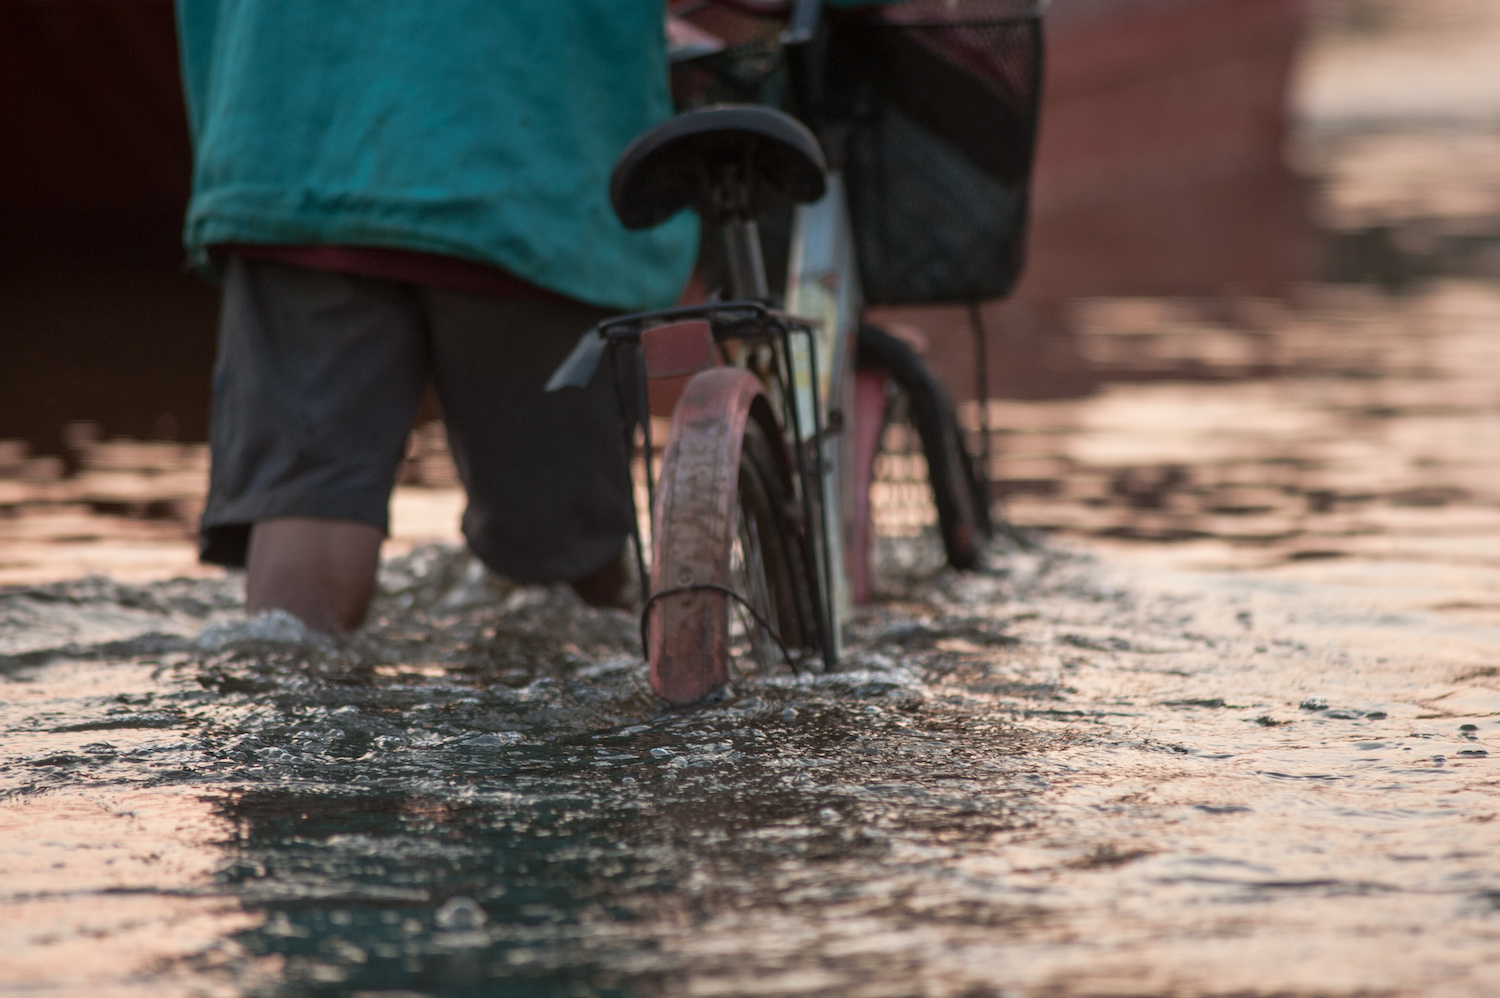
x=320, y=571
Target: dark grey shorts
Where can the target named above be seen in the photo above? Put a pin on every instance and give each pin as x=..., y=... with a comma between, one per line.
x=318, y=379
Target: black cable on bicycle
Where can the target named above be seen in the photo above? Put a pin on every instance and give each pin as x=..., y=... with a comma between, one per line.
x=713, y=587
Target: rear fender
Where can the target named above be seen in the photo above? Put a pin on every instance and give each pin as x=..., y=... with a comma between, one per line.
x=693, y=531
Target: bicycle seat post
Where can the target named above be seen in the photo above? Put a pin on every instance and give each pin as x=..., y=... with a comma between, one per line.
x=735, y=217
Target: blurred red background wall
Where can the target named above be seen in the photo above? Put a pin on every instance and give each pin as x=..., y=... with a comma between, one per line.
x=1161, y=170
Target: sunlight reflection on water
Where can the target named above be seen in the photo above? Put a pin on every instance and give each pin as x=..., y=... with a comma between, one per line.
x=1055, y=776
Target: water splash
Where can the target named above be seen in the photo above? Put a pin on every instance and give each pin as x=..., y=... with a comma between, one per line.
x=1043, y=779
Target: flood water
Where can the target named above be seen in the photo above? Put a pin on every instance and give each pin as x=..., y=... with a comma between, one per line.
x=1225, y=724
x=1062, y=776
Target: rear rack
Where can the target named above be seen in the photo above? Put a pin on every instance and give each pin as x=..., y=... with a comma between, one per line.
x=746, y=321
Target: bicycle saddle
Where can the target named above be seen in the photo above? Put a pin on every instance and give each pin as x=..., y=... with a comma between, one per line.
x=676, y=164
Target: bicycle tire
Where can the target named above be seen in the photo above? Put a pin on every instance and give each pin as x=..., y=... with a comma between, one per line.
x=725, y=519
x=962, y=507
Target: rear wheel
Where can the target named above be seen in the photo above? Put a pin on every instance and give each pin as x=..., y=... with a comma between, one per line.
x=725, y=524
x=962, y=507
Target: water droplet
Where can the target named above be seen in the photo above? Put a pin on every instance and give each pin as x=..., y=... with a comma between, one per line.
x=459, y=914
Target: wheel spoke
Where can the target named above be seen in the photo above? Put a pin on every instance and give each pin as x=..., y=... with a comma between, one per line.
x=751, y=645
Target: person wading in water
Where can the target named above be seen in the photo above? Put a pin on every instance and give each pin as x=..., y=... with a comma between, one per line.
x=393, y=192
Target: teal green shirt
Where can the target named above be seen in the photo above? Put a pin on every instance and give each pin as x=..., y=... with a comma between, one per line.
x=483, y=129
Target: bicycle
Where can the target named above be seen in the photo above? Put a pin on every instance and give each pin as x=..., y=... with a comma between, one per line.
x=761, y=503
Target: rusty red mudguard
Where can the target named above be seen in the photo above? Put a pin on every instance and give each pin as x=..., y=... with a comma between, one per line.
x=694, y=530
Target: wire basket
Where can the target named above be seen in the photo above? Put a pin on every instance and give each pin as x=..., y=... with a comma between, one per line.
x=941, y=98
x=930, y=108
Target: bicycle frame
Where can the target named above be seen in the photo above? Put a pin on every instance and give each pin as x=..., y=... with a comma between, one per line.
x=810, y=377
x=823, y=284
